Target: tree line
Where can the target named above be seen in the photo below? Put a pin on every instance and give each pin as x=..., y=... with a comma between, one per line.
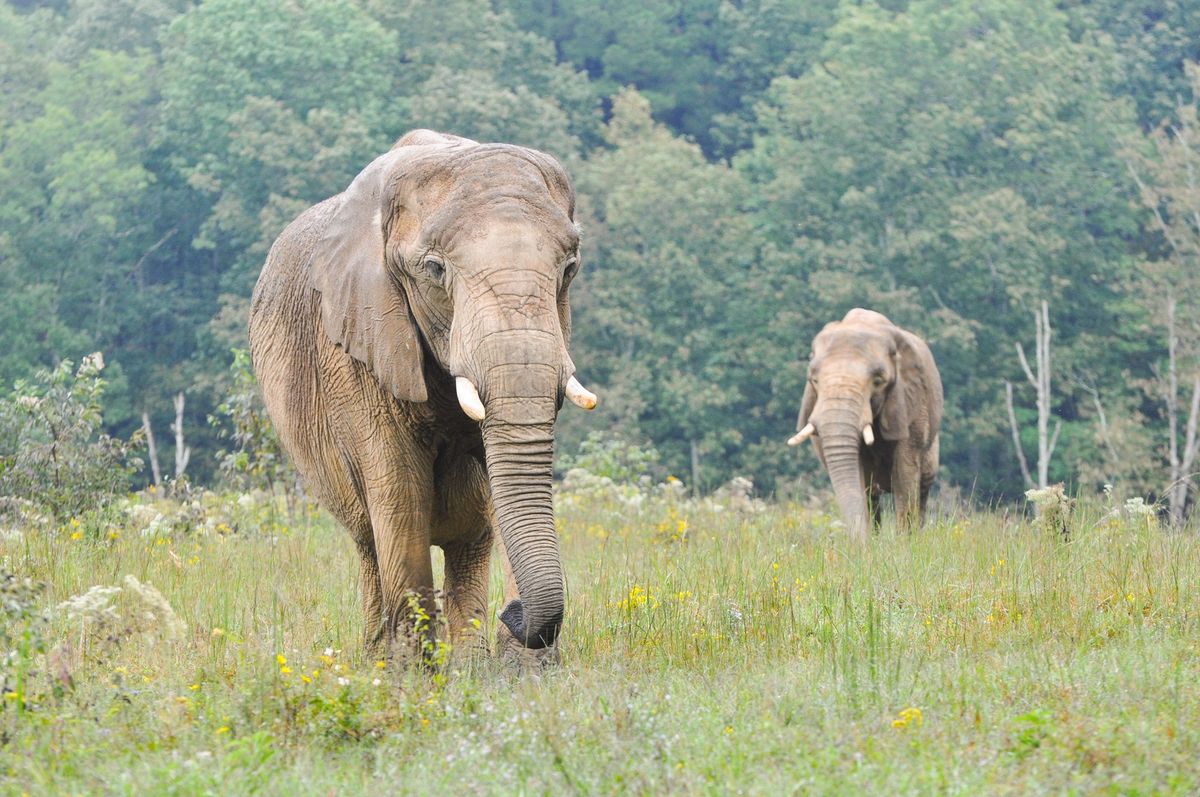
x=747, y=171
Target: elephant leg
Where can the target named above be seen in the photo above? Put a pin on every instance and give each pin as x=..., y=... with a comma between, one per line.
x=466, y=588
x=929, y=469
x=875, y=502
x=372, y=597
x=400, y=517
x=873, y=492
x=906, y=477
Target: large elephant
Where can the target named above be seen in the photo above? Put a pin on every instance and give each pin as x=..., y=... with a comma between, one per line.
x=873, y=407
x=410, y=336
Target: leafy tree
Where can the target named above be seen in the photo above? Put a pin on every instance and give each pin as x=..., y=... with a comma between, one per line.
x=952, y=164
x=701, y=63
x=468, y=69
x=267, y=107
x=70, y=228
x=658, y=308
x=1166, y=167
x=1155, y=39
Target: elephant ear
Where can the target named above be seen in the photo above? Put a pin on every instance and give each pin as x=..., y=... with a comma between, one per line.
x=906, y=393
x=363, y=308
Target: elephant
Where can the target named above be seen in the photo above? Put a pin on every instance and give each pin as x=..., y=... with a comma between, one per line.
x=410, y=336
x=873, y=408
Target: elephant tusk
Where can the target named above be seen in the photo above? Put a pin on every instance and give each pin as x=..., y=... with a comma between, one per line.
x=580, y=395
x=468, y=399
x=802, y=435
x=868, y=435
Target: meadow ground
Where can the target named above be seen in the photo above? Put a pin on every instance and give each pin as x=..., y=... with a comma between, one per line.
x=706, y=651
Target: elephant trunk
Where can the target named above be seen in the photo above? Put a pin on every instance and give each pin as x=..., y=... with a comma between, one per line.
x=840, y=428
x=518, y=436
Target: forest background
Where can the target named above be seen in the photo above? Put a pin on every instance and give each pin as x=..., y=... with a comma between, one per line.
x=748, y=170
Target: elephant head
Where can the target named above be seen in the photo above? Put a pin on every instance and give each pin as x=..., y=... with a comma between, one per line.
x=857, y=391
x=445, y=269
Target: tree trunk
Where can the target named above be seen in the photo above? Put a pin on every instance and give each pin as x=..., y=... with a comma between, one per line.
x=151, y=449
x=183, y=454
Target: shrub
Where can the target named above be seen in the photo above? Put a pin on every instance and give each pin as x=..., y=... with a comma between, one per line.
x=53, y=453
x=608, y=456
x=258, y=461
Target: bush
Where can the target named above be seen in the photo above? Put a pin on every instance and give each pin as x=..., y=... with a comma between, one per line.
x=53, y=453
x=258, y=461
x=609, y=456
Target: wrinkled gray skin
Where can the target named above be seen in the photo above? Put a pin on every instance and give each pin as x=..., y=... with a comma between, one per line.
x=444, y=258
x=866, y=370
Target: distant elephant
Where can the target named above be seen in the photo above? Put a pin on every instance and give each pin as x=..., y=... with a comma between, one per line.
x=410, y=336
x=871, y=382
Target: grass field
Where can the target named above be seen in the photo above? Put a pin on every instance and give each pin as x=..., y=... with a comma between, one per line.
x=705, y=651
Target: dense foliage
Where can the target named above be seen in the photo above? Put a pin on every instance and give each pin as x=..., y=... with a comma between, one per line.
x=748, y=170
x=57, y=459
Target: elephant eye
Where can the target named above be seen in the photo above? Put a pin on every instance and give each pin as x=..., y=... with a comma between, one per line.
x=436, y=267
x=570, y=269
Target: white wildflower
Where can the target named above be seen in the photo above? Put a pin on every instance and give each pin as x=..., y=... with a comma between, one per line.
x=1138, y=508
x=156, y=610
x=1046, y=496
x=96, y=605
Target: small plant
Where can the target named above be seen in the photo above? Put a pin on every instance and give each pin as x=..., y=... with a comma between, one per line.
x=23, y=634
x=53, y=453
x=258, y=461
x=1054, y=508
x=607, y=467
x=610, y=456
x=103, y=618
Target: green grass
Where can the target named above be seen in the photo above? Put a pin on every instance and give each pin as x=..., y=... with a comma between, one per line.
x=705, y=651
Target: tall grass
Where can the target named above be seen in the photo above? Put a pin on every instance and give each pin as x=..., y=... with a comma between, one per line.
x=706, y=650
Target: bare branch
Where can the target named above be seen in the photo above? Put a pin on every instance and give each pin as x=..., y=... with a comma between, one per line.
x=183, y=454
x=1054, y=439
x=151, y=449
x=1016, y=434
x=1025, y=367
